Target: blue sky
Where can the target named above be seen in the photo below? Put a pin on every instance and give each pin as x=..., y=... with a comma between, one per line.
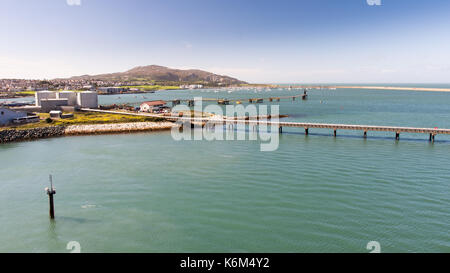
x=316, y=41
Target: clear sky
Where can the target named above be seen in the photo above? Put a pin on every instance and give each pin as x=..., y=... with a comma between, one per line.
x=315, y=41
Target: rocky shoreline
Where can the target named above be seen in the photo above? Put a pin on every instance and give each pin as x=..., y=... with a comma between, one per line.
x=13, y=135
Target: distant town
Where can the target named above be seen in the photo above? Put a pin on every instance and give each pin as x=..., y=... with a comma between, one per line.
x=9, y=87
x=138, y=79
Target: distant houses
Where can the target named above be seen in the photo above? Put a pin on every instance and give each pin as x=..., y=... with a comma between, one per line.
x=191, y=86
x=156, y=106
x=112, y=90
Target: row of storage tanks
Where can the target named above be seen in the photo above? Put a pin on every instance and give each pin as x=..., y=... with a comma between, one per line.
x=85, y=99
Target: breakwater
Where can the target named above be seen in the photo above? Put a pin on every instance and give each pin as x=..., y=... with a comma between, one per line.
x=12, y=135
x=117, y=128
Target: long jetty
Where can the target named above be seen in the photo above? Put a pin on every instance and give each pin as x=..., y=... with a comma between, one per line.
x=256, y=121
x=191, y=102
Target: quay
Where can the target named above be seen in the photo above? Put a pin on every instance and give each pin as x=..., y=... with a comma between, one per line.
x=255, y=121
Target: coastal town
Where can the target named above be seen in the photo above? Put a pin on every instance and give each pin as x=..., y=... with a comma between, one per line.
x=11, y=88
x=139, y=79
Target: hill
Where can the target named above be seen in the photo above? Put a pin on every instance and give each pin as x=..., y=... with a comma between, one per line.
x=163, y=74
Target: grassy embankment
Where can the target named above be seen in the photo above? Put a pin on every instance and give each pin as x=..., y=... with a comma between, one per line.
x=83, y=118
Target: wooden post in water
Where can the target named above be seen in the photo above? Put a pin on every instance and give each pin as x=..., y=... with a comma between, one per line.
x=365, y=134
x=50, y=192
x=335, y=132
x=397, y=136
x=306, y=131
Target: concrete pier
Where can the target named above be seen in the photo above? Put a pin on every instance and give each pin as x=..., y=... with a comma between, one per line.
x=351, y=127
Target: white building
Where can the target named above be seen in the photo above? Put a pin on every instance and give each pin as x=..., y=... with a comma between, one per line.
x=49, y=100
x=152, y=106
x=7, y=116
x=70, y=96
x=87, y=99
x=39, y=96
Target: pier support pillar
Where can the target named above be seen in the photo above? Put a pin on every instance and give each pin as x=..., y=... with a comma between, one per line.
x=306, y=131
x=432, y=137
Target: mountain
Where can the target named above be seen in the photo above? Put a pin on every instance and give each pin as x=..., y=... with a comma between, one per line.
x=163, y=74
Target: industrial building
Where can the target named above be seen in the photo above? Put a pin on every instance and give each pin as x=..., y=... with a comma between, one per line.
x=43, y=95
x=8, y=116
x=70, y=96
x=65, y=100
x=87, y=99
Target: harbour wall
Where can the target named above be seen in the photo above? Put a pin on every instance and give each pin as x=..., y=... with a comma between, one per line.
x=13, y=135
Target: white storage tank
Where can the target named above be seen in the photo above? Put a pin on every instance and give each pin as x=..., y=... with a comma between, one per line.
x=87, y=99
x=44, y=95
x=70, y=96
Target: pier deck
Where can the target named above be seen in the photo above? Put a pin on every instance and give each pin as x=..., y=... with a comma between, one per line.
x=256, y=122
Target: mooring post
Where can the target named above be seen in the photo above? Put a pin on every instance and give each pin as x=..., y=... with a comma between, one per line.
x=50, y=192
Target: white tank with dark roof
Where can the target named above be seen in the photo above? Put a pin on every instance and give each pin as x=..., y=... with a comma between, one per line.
x=87, y=99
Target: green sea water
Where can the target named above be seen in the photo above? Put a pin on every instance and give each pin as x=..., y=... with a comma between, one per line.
x=146, y=192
